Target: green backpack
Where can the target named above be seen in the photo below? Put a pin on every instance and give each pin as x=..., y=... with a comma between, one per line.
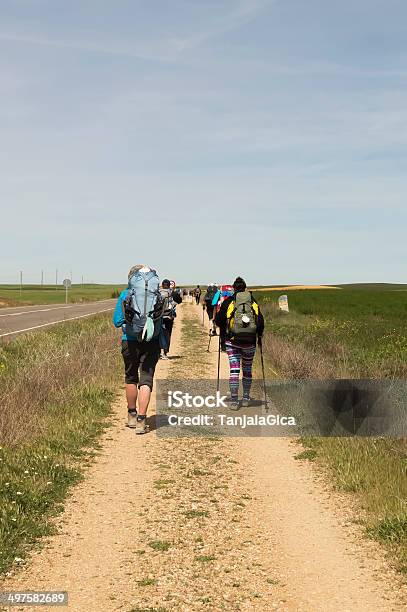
x=242, y=316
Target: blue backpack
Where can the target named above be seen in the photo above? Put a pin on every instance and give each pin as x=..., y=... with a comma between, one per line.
x=143, y=306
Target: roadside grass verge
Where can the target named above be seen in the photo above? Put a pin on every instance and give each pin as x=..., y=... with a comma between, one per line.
x=56, y=390
x=358, y=333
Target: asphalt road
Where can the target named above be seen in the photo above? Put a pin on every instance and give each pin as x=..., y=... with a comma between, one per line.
x=20, y=319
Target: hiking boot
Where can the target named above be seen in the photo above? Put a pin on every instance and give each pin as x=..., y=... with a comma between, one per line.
x=246, y=402
x=132, y=419
x=141, y=425
x=214, y=332
x=234, y=405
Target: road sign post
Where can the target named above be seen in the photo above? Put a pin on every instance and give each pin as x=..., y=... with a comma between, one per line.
x=67, y=284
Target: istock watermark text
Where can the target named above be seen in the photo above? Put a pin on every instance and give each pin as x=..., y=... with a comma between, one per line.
x=179, y=399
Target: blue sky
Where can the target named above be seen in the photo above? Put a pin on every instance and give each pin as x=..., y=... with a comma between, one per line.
x=266, y=138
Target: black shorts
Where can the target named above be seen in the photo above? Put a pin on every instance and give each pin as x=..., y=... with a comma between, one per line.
x=168, y=324
x=140, y=359
x=209, y=310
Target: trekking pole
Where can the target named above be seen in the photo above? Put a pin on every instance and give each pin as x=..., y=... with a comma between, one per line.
x=209, y=344
x=218, y=381
x=203, y=314
x=264, y=377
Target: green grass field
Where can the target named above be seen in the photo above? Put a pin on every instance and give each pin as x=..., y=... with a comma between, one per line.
x=355, y=332
x=10, y=295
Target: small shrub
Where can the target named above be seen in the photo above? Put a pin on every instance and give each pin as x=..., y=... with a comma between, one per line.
x=147, y=582
x=391, y=530
x=162, y=483
x=309, y=454
x=160, y=545
x=196, y=513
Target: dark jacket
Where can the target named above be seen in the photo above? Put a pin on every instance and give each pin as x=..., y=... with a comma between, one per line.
x=221, y=319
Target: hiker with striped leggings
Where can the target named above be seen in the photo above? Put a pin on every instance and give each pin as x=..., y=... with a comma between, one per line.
x=241, y=323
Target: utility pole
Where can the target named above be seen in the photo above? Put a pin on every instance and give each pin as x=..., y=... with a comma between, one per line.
x=42, y=278
x=56, y=279
x=21, y=282
x=82, y=281
x=71, y=276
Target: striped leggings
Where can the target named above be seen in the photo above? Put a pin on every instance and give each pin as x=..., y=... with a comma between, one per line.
x=240, y=354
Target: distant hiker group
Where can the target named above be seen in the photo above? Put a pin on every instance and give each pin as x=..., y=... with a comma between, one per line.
x=146, y=312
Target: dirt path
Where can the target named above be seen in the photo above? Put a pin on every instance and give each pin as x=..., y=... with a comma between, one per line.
x=205, y=524
x=318, y=551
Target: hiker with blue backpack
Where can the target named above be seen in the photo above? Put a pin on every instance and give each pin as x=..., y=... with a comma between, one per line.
x=170, y=298
x=218, y=298
x=138, y=313
x=241, y=323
